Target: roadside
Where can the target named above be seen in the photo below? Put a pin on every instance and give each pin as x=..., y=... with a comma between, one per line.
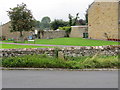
x=60, y=69
x=40, y=44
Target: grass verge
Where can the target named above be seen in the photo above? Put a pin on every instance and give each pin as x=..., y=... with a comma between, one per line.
x=43, y=61
x=13, y=46
x=72, y=42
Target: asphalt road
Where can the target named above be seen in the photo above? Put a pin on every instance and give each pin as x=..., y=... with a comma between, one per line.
x=59, y=79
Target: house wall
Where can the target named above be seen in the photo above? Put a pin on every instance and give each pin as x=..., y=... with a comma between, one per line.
x=119, y=21
x=77, y=31
x=5, y=31
x=7, y=34
x=103, y=18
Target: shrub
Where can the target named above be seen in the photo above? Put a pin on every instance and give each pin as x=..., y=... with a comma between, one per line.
x=67, y=30
x=44, y=61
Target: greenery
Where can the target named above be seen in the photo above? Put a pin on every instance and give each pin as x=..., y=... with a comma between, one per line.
x=73, y=20
x=45, y=23
x=73, y=42
x=21, y=19
x=67, y=30
x=43, y=61
x=58, y=23
x=8, y=46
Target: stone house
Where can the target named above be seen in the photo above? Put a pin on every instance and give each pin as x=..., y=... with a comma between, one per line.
x=104, y=20
x=47, y=34
x=6, y=34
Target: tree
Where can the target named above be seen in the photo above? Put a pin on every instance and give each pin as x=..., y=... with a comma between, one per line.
x=70, y=19
x=73, y=21
x=82, y=22
x=58, y=23
x=86, y=16
x=21, y=19
x=45, y=23
x=37, y=24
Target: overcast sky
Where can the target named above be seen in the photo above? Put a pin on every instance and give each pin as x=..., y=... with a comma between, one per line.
x=55, y=9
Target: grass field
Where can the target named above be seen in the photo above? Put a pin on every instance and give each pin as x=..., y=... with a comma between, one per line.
x=11, y=46
x=73, y=42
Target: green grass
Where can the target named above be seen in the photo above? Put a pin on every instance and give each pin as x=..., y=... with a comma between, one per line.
x=43, y=61
x=12, y=46
x=73, y=41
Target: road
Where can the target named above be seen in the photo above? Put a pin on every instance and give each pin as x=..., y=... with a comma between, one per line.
x=39, y=44
x=59, y=79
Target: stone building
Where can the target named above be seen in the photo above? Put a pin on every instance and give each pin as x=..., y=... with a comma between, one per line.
x=104, y=20
x=6, y=34
x=79, y=31
x=48, y=34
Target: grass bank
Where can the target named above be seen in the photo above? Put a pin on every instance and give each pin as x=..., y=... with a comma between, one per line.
x=43, y=61
x=72, y=42
x=13, y=46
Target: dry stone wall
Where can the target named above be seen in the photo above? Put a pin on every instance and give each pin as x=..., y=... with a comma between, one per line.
x=50, y=34
x=62, y=52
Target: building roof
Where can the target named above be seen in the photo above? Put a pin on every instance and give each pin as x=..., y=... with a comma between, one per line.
x=83, y=26
x=107, y=0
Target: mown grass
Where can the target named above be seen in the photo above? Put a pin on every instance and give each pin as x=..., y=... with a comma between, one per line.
x=43, y=61
x=73, y=42
x=13, y=46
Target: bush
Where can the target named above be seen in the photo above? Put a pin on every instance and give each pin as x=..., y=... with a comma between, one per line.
x=44, y=61
x=58, y=23
x=67, y=30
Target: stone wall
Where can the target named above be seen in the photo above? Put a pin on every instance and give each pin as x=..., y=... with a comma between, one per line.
x=103, y=18
x=49, y=34
x=71, y=51
x=5, y=31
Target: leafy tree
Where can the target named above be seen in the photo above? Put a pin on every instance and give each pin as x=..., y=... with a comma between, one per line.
x=45, y=23
x=21, y=19
x=86, y=16
x=58, y=23
x=73, y=21
x=82, y=22
x=70, y=19
x=37, y=24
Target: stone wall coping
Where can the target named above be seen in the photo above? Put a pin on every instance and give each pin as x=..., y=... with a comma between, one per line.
x=83, y=26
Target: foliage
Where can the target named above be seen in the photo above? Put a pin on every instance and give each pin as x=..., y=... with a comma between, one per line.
x=73, y=20
x=67, y=30
x=82, y=22
x=86, y=17
x=37, y=24
x=43, y=61
x=21, y=19
x=58, y=23
x=45, y=23
x=101, y=62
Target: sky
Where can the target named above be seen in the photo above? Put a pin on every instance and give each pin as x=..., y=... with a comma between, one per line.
x=55, y=9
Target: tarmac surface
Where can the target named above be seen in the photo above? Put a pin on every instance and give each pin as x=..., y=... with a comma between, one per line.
x=59, y=79
x=39, y=44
